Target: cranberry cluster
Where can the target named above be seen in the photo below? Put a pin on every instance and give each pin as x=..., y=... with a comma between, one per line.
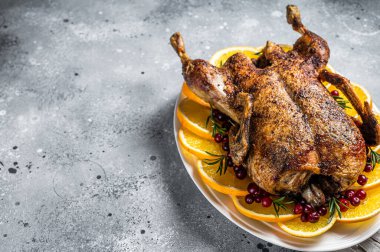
x=308, y=212
x=351, y=197
x=223, y=122
x=240, y=171
x=255, y=194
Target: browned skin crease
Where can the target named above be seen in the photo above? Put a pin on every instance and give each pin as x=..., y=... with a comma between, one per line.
x=239, y=135
x=296, y=129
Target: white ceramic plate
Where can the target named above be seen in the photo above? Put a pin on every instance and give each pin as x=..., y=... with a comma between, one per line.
x=338, y=237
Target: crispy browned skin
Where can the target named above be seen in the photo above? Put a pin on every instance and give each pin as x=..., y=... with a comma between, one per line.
x=282, y=154
x=293, y=137
x=338, y=141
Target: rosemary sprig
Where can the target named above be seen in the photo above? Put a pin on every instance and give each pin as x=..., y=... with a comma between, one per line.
x=334, y=206
x=341, y=102
x=280, y=204
x=259, y=53
x=221, y=63
x=221, y=159
x=231, y=122
x=374, y=156
x=216, y=127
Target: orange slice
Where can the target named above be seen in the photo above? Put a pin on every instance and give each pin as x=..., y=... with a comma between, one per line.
x=373, y=176
x=197, y=145
x=189, y=94
x=226, y=183
x=193, y=117
x=258, y=212
x=306, y=229
x=368, y=208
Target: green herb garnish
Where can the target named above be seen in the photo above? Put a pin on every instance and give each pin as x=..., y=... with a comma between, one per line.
x=216, y=127
x=334, y=207
x=220, y=159
x=341, y=102
x=221, y=63
x=280, y=204
x=374, y=156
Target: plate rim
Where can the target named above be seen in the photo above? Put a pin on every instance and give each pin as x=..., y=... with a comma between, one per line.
x=277, y=242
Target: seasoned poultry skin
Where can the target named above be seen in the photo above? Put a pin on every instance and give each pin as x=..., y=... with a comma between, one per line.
x=292, y=136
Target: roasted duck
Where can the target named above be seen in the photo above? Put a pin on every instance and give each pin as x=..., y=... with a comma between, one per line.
x=291, y=135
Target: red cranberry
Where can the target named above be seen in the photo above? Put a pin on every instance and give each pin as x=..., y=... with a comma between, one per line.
x=257, y=199
x=362, y=180
x=361, y=194
x=349, y=194
x=215, y=113
x=355, y=201
x=253, y=189
x=266, y=202
x=241, y=174
x=218, y=138
x=264, y=193
x=313, y=217
x=304, y=217
x=249, y=199
x=368, y=168
x=225, y=146
x=220, y=117
x=298, y=208
x=238, y=168
x=335, y=93
x=229, y=162
x=322, y=211
x=225, y=139
x=343, y=205
x=308, y=208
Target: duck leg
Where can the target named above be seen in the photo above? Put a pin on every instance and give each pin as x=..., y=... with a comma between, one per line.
x=310, y=45
x=370, y=128
x=314, y=195
x=214, y=85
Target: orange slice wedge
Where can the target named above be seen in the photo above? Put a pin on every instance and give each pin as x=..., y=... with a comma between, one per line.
x=189, y=94
x=368, y=208
x=197, y=145
x=258, y=212
x=306, y=229
x=226, y=183
x=373, y=177
x=193, y=117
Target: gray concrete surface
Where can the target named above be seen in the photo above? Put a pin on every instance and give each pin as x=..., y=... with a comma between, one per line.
x=87, y=91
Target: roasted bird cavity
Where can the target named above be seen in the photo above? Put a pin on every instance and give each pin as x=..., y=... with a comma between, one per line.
x=290, y=134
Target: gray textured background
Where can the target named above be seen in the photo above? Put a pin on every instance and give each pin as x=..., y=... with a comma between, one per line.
x=87, y=91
